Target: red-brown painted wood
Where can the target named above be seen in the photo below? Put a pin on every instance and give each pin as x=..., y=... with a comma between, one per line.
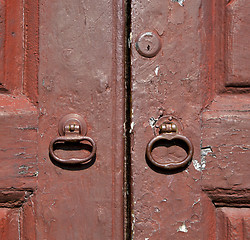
x=2, y=38
x=13, y=46
x=18, y=124
x=61, y=57
x=233, y=223
x=237, y=43
x=9, y=223
x=201, y=77
x=81, y=71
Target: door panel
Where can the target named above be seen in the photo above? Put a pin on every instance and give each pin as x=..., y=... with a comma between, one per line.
x=233, y=223
x=9, y=223
x=237, y=50
x=18, y=119
x=17, y=215
x=200, y=77
x=166, y=205
x=18, y=124
x=81, y=71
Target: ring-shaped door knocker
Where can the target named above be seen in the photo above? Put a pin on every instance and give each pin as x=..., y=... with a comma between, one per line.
x=168, y=133
x=72, y=129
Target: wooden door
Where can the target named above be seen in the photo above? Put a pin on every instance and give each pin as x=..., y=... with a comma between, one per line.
x=200, y=77
x=181, y=62
x=57, y=58
x=18, y=119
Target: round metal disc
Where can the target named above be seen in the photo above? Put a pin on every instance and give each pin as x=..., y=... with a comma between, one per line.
x=72, y=118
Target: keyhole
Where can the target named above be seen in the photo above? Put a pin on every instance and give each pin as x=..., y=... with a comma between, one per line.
x=148, y=47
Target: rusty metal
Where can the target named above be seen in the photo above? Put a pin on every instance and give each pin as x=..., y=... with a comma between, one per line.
x=72, y=124
x=168, y=132
x=148, y=44
x=72, y=128
x=161, y=122
x=72, y=139
x=168, y=128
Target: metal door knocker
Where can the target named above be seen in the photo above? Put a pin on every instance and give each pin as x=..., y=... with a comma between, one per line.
x=72, y=128
x=168, y=132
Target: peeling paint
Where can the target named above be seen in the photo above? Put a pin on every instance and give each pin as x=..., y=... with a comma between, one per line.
x=131, y=127
x=23, y=172
x=196, y=202
x=157, y=70
x=124, y=129
x=130, y=40
x=197, y=165
x=204, y=152
x=24, y=167
x=157, y=209
x=152, y=122
x=182, y=228
x=202, y=165
x=181, y=2
x=133, y=225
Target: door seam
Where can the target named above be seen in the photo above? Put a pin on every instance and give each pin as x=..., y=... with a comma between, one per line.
x=128, y=116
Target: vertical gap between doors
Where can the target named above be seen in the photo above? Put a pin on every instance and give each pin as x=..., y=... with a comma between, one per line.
x=128, y=116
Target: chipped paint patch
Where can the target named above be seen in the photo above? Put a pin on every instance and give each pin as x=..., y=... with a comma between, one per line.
x=181, y=2
x=131, y=127
x=130, y=40
x=182, y=228
x=157, y=209
x=202, y=165
x=152, y=122
x=198, y=166
x=204, y=152
x=24, y=167
x=157, y=70
x=133, y=225
x=195, y=202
